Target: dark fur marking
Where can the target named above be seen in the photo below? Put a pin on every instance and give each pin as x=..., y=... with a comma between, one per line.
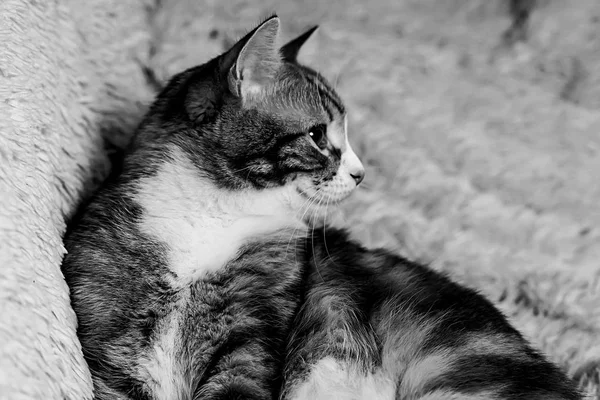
x=514, y=377
x=325, y=90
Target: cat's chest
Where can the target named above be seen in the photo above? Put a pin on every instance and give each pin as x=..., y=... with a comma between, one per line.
x=201, y=229
x=199, y=244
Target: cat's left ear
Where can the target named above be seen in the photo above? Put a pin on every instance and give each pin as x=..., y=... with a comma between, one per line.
x=290, y=51
x=257, y=62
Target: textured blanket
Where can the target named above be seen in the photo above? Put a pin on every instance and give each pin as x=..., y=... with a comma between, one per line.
x=480, y=140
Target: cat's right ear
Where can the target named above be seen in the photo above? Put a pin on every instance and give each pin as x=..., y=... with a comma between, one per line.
x=290, y=51
x=253, y=62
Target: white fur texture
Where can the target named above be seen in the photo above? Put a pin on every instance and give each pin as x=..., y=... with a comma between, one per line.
x=161, y=368
x=329, y=379
x=443, y=395
x=203, y=226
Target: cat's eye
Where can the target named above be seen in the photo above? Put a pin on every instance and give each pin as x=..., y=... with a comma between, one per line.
x=318, y=134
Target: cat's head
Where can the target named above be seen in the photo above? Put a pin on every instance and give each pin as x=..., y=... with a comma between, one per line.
x=255, y=119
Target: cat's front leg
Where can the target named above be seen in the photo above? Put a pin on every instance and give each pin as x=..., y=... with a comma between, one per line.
x=249, y=372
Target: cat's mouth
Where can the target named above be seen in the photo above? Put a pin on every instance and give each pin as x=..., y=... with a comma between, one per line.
x=321, y=196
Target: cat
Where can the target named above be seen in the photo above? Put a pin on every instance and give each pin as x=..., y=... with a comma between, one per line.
x=186, y=269
x=194, y=274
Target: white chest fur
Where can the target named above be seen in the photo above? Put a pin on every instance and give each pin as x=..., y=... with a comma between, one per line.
x=203, y=226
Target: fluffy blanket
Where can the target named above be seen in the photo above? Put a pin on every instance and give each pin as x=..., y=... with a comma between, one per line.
x=481, y=147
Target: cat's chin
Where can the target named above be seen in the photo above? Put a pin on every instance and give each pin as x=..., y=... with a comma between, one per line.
x=324, y=196
x=319, y=206
x=334, y=218
x=321, y=215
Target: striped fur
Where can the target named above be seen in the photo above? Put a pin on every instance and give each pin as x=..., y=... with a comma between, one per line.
x=402, y=331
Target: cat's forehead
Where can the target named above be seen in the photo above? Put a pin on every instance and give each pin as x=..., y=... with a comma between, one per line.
x=303, y=95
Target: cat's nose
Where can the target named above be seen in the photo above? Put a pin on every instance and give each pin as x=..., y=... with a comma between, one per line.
x=352, y=164
x=358, y=175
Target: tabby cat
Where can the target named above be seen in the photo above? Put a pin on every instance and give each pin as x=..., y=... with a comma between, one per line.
x=194, y=275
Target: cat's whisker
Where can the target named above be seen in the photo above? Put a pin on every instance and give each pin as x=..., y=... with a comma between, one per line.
x=312, y=235
x=306, y=206
x=293, y=235
x=248, y=174
x=242, y=169
x=310, y=202
x=364, y=186
x=325, y=226
x=315, y=199
x=337, y=78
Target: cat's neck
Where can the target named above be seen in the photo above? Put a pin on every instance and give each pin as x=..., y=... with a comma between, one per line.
x=204, y=226
x=178, y=186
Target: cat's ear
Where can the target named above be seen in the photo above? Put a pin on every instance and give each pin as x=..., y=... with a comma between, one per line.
x=290, y=51
x=255, y=60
